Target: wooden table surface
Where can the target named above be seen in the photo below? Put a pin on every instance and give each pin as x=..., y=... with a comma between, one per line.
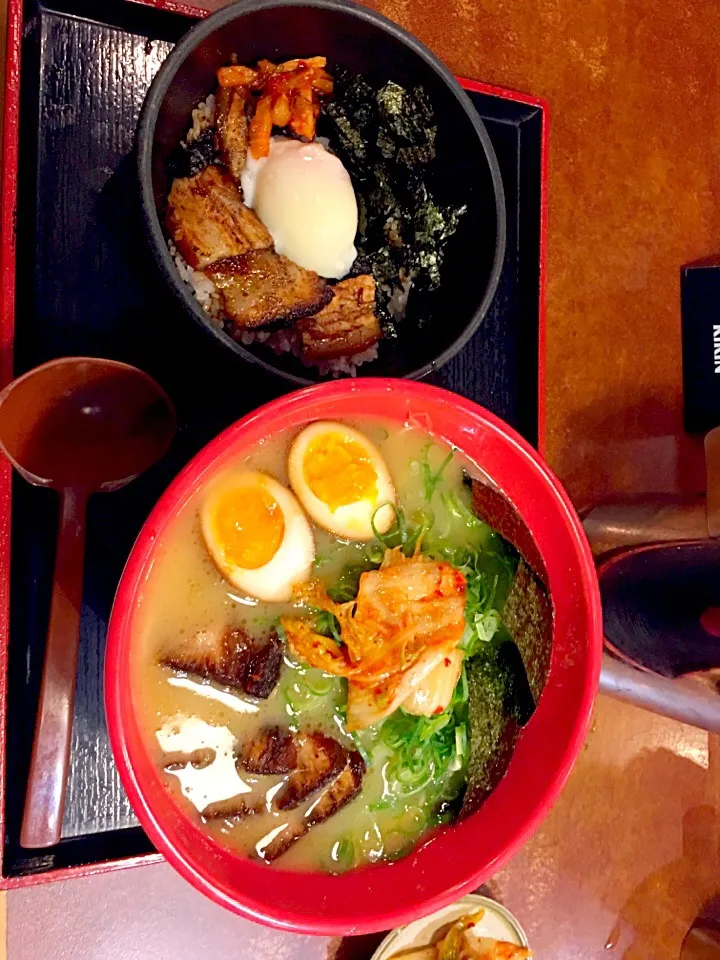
x=631, y=851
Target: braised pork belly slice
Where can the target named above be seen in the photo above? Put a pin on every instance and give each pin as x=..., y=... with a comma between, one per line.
x=344, y=788
x=231, y=136
x=346, y=326
x=341, y=791
x=319, y=759
x=271, y=750
x=262, y=288
x=276, y=843
x=229, y=657
x=208, y=221
x=234, y=808
x=321, y=770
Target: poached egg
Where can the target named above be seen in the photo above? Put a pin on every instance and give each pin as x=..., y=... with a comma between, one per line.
x=304, y=196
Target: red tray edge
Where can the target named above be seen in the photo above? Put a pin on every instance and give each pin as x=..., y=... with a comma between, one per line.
x=8, y=216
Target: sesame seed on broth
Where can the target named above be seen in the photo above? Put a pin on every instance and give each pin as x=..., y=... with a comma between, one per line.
x=186, y=595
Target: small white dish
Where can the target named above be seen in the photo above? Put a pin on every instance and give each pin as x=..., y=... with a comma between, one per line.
x=497, y=923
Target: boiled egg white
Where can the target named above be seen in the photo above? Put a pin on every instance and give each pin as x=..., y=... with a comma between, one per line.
x=304, y=196
x=257, y=535
x=342, y=481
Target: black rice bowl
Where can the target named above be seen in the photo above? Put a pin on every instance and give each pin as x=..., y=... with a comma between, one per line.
x=440, y=316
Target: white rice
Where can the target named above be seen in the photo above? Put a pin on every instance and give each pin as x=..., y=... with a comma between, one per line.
x=203, y=116
x=203, y=288
x=280, y=341
x=397, y=304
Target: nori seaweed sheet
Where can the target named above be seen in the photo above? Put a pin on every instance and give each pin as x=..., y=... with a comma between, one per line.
x=528, y=617
x=505, y=682
x=190, y=158
x=527, y=614
x=386, y=139
x=493, y=724
x=496, y=510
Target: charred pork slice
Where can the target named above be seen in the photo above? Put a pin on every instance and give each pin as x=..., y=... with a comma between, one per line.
x=263, y=288
x=272, y=750
x=208, y=221
x=235, y=808
x=344, y=788
x=281, y=842
x=231, y=137
x=346, y=326
x=232, y=658
x=262, y=667
x=319, y=759
x=199, y=759
x=341, y=791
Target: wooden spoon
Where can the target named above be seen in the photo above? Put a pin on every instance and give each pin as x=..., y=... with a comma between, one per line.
x=78, y=425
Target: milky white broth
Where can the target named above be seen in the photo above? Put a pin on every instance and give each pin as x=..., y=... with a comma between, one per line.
x=185, y=594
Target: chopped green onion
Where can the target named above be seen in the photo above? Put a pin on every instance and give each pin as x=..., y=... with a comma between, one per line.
x=360, y=746
x=347, y=584
x=306, y=688
x=318, y=683
x=326, y=623
x=413, y=776
x=460, y=510
x=375, y=554
x=462, y=691
x=486, y=625
x=400, y=533
x=432, y=478
x=434, y=725
x=461, y=741
x=397, y=729
x=417, y=533
x=297, y=698
x=343, y=853
x=397, y=532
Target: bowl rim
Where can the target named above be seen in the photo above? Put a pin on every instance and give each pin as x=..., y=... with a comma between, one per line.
x=344, y=918
x=441, y=917
x=144, y=151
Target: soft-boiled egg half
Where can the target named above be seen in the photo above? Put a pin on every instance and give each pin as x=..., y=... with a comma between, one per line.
x=257, y=535
x=304, y=196
x=341, y=479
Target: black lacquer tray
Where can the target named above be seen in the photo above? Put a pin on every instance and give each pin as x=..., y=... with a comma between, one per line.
x=84, y=284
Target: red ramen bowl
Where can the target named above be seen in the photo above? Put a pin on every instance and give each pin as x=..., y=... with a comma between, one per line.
x=453, y=860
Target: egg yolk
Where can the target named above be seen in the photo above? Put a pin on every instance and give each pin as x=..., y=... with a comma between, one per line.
x=250, y=527
x=339, y=471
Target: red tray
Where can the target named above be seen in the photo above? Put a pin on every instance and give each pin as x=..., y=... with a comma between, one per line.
x=46, y=316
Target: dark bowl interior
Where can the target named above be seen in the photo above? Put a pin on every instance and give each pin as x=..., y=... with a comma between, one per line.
x=438, y=324
x=654, y=598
